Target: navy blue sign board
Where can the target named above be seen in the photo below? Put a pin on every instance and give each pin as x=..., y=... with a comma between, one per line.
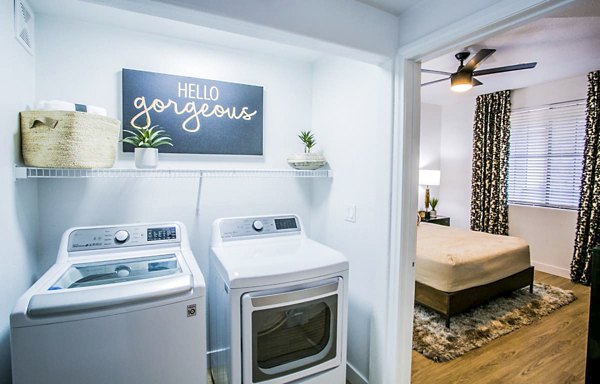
x=201, y=116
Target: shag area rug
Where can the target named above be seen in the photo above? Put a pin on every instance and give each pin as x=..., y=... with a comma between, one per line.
x=484, y=323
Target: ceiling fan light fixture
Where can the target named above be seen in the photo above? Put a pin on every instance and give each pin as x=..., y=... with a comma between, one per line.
x=461, y=81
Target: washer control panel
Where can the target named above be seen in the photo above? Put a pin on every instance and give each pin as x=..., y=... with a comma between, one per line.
x=258, y=225
x=235, y=228
x=86, y=239
x=121, y=236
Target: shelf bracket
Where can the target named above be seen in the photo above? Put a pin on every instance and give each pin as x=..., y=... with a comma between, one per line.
x=198, y=196
x=20, y=172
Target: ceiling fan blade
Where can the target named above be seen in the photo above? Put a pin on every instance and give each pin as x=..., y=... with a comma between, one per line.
x=476, y=82
x=435, y=81
x=479, y=58
x=508, y=68
x=435, y=72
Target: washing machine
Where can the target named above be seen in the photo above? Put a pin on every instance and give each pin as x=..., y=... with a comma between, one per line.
x=278, y=304
x=122, y=304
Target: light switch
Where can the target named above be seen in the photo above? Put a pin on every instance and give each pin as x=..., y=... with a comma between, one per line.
x=350, y=213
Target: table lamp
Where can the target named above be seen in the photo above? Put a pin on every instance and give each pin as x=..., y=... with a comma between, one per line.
x=428, y=177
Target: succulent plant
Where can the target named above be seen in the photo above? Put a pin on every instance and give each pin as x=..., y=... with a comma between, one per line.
x=147, y=137
x=308, y=138
x=434, y=202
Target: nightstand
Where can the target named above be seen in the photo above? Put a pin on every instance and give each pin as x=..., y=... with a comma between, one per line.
x=441, y=220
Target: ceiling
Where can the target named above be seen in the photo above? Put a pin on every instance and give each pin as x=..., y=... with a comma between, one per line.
x=564, y=45
x=395, y=7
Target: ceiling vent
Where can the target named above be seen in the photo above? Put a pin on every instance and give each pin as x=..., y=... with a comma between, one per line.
x=24, y=25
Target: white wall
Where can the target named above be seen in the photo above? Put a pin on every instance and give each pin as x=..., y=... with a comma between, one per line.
x=429, y=150
x=550, y=232
x=352, y=116
x=69, y=69
x=431, y=129
x=18, y=200
x=456, y=154
x=298, y=95
x=551, y=92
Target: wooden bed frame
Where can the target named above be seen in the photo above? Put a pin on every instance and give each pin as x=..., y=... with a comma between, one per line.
x=451, y=303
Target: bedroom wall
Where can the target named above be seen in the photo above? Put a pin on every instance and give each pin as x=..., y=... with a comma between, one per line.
x=18, y=200
x=550, y=232
x=456, y=154
x=429, y=151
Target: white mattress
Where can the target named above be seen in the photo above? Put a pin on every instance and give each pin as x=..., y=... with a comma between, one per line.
x=451, y=259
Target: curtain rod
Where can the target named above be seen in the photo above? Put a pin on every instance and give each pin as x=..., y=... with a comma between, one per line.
x=551, y=105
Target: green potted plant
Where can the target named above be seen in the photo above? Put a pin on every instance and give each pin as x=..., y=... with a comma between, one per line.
x=434, y=202
x=307, y=160
x=146, y=142
x=308, y=139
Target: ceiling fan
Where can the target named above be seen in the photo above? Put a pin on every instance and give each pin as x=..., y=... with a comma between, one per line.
x=463, y=79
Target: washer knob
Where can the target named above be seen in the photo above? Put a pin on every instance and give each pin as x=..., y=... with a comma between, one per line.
x=121, y=236
x=257, y=225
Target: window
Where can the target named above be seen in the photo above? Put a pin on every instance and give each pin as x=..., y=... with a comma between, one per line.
x=546, y=155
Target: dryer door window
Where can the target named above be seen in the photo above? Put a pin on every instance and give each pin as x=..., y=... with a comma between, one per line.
x=293, y=337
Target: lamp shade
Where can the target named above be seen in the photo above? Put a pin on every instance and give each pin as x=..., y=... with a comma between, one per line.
x=461, y=81
x=429, y=177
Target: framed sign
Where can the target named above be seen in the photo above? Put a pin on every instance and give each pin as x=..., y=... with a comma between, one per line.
x=201, y=116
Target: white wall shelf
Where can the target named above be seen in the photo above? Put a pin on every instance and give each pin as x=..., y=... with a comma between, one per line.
x=64, y=173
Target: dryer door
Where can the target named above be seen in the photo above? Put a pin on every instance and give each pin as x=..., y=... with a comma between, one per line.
x=291, y=333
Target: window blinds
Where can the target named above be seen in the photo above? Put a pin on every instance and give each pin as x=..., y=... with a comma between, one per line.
x=546, y=155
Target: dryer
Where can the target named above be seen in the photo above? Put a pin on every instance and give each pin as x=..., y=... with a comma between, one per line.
x=122, y=304
x=278, y=304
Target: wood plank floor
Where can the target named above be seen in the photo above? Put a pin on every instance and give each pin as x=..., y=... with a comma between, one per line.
x=550, y=351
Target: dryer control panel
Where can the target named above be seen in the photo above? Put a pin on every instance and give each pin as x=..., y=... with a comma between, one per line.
x=85, y=239
x=236, y=228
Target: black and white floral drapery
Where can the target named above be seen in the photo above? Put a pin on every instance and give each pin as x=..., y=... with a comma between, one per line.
x=588, y=219
x=489, y=182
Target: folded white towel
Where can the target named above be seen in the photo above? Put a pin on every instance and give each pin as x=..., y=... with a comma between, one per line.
x=58, y=105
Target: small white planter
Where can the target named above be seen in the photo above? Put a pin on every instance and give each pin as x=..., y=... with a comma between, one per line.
x=433, y=214
x=307, y=161
x=146, y=158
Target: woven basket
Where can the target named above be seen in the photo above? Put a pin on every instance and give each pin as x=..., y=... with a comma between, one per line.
x=65, y=139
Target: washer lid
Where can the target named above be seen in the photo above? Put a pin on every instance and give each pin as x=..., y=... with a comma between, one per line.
x=80, y=300
x=260, y=262
x=105, y=284
x=117, y=271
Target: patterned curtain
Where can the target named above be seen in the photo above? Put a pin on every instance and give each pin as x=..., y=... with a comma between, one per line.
x=588, y=219
x=489, y=183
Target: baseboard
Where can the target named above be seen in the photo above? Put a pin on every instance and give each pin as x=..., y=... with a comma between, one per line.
x=562, y=272
x=353, y=377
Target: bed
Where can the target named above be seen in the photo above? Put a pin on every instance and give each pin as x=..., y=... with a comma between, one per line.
x=457, y=269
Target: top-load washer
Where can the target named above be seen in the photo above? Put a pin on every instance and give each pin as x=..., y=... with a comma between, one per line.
x=277, y=304
x=122, y=304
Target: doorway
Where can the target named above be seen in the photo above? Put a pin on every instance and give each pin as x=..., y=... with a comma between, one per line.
x=406, y=160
